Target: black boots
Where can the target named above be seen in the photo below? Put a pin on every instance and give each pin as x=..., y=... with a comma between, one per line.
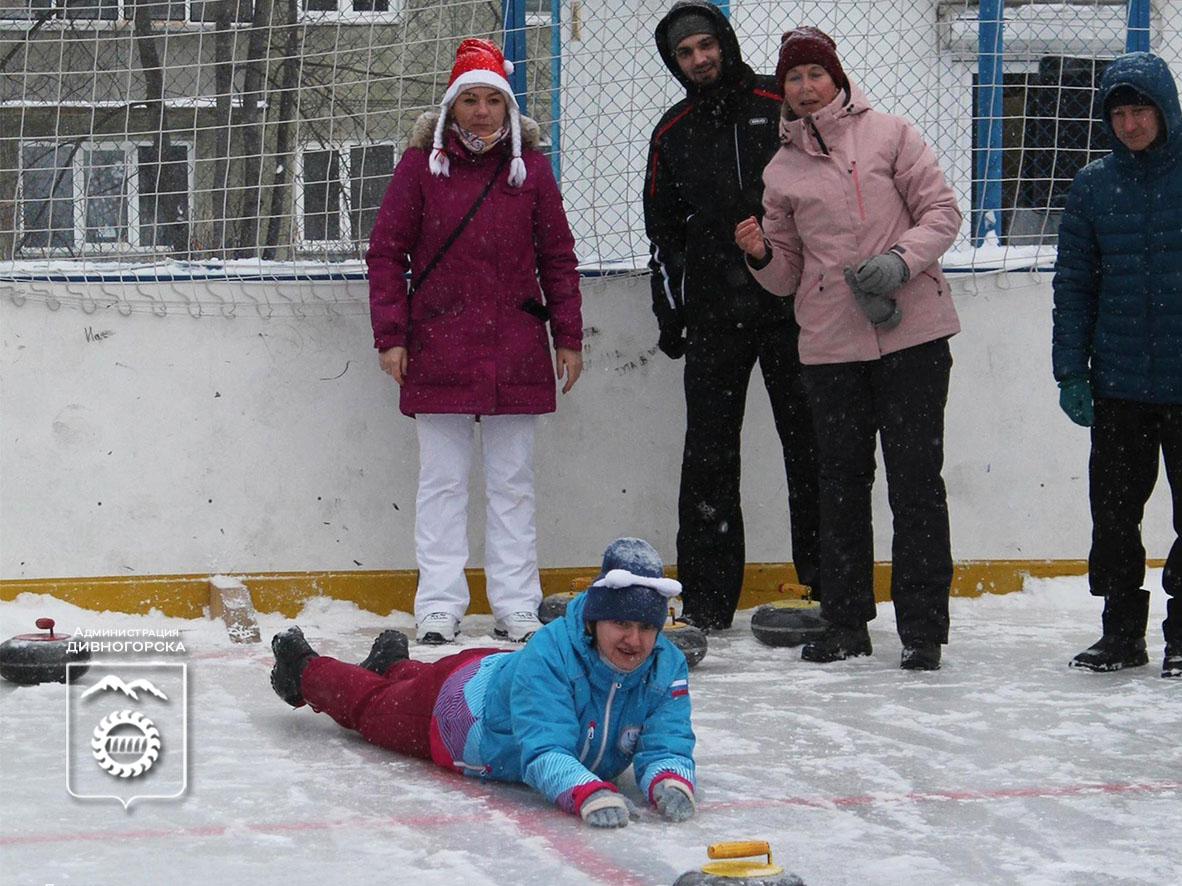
x=921, y=657
x=837, y=644
x=389, y=647
x=292, y=653
x=1123, y=644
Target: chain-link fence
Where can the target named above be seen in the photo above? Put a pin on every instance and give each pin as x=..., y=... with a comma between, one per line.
x=147, y=138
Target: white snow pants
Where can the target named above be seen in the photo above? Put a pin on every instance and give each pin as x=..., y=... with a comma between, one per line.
x=441, y=516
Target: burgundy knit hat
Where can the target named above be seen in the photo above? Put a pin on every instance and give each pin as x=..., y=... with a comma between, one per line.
x=809, y=46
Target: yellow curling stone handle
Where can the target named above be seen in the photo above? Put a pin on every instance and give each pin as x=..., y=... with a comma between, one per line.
x=741, y=849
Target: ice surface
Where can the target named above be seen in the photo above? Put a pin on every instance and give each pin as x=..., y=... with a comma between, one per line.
x=1003, y=768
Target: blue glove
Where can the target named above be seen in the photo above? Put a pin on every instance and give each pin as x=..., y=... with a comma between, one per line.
x=1075, y=398
x=607, y=809
x=674, y=799
x=882, y=274
x=881, y=310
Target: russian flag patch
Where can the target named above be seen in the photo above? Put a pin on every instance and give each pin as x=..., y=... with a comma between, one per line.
x=679, y=687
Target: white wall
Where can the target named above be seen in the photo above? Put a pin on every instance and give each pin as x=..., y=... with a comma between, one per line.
x=181, y=445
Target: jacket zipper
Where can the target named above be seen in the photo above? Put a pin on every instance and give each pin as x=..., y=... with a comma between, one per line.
x=858, y=189
x=607, y=716
x=820, y=141
x=587, y=741
x=738, y=159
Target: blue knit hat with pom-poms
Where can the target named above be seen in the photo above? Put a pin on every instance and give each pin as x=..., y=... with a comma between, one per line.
x=631, y=585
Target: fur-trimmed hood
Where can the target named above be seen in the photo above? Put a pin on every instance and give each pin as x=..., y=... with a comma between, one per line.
x=422, y=133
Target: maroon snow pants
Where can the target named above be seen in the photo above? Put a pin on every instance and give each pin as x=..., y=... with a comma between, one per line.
x=393, y=709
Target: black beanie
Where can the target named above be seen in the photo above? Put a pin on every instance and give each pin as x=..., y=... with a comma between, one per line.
x=1124, y=94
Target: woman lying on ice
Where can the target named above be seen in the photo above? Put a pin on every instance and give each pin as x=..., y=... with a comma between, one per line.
x=589, y=694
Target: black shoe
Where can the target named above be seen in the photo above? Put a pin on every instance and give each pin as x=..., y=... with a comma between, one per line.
x=389, y=647
x=1171, y=665
x=921, y=657
x=837, y=644
x=292, y=653
x=1112, y=652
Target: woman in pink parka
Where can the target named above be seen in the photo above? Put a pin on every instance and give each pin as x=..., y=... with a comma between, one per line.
x=471, y=343
x=856, y=216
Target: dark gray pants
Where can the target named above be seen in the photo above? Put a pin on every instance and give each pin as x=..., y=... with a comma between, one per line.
x=1129, y=440
x=899, y=399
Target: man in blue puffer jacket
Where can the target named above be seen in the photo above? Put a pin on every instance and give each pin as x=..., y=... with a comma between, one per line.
x=1117, y=348
x=589, y=695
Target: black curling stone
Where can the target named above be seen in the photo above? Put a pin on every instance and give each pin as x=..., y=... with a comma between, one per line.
x=787, y=622
x=737, y=868
x=29, y=659
x=689, y=639
x=554, y=606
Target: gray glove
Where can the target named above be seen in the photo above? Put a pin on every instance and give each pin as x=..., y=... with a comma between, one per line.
x=881, y=310
x=881, y=274
x=674, y=800
x=607, y=809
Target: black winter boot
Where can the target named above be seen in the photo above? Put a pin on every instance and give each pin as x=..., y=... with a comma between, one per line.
x=389, y=647
x=837, y=644
x=292, y=653
x=921, y=657
x=1171, y=665
x=1123, y=644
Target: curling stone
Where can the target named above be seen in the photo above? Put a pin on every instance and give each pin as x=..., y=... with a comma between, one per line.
x=737, y=867
x=689, y=639
x=789, y=622
x=554, y=606
x=29, y=659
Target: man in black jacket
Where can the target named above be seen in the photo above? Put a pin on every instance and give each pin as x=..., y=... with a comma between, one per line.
x=704, y=175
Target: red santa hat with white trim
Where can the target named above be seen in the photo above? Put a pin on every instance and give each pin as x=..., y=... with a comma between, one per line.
x=479, y=63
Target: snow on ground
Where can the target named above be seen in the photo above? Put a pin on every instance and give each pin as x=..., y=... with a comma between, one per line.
x=1004, y=768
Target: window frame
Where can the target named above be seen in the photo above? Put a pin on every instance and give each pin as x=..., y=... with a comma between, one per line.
x=131, y=196
x=347, y=241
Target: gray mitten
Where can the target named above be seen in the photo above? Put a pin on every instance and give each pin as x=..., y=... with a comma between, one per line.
x=882, y=274
x=607, y=809
x=881, y=310
x=674, y=799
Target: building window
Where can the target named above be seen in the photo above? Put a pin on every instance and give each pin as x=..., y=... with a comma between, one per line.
x=1050, y=130
x=102, y=196
x=339, y=191
x=122, y=10
x=367, y=9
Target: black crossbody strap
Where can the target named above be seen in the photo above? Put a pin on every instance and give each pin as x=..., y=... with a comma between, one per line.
x=418, y=281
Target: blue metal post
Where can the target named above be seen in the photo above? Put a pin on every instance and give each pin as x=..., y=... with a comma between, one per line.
x=1137, y=39
x=990, y=83
x=724, y=6
x=555, y=86
x=513, y=16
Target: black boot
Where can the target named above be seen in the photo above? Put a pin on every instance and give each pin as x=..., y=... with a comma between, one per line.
x=837, y=644
x=292, y=653
x=1123, y=644
x=921, y=657
x=389, y=647
x=1171, y=665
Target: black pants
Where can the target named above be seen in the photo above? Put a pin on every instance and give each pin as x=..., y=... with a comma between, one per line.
x=710, y=546
x=901, y=399
x=1128, y=441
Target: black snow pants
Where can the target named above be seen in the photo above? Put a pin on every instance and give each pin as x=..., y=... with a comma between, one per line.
x=899, y=399
x=711, y=552
x=1128, y=441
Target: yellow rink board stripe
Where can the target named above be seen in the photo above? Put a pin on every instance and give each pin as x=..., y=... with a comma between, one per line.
x=382, y=591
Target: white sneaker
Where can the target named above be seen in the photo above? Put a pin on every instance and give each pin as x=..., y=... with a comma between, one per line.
x=518, y=627
x=437, y=628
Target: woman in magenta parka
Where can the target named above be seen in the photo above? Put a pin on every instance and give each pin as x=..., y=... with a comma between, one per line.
x=470, y=343
x=856, y=216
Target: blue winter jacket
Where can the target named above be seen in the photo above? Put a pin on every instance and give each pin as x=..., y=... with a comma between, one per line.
x=1118, y=278
x=564, y=721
